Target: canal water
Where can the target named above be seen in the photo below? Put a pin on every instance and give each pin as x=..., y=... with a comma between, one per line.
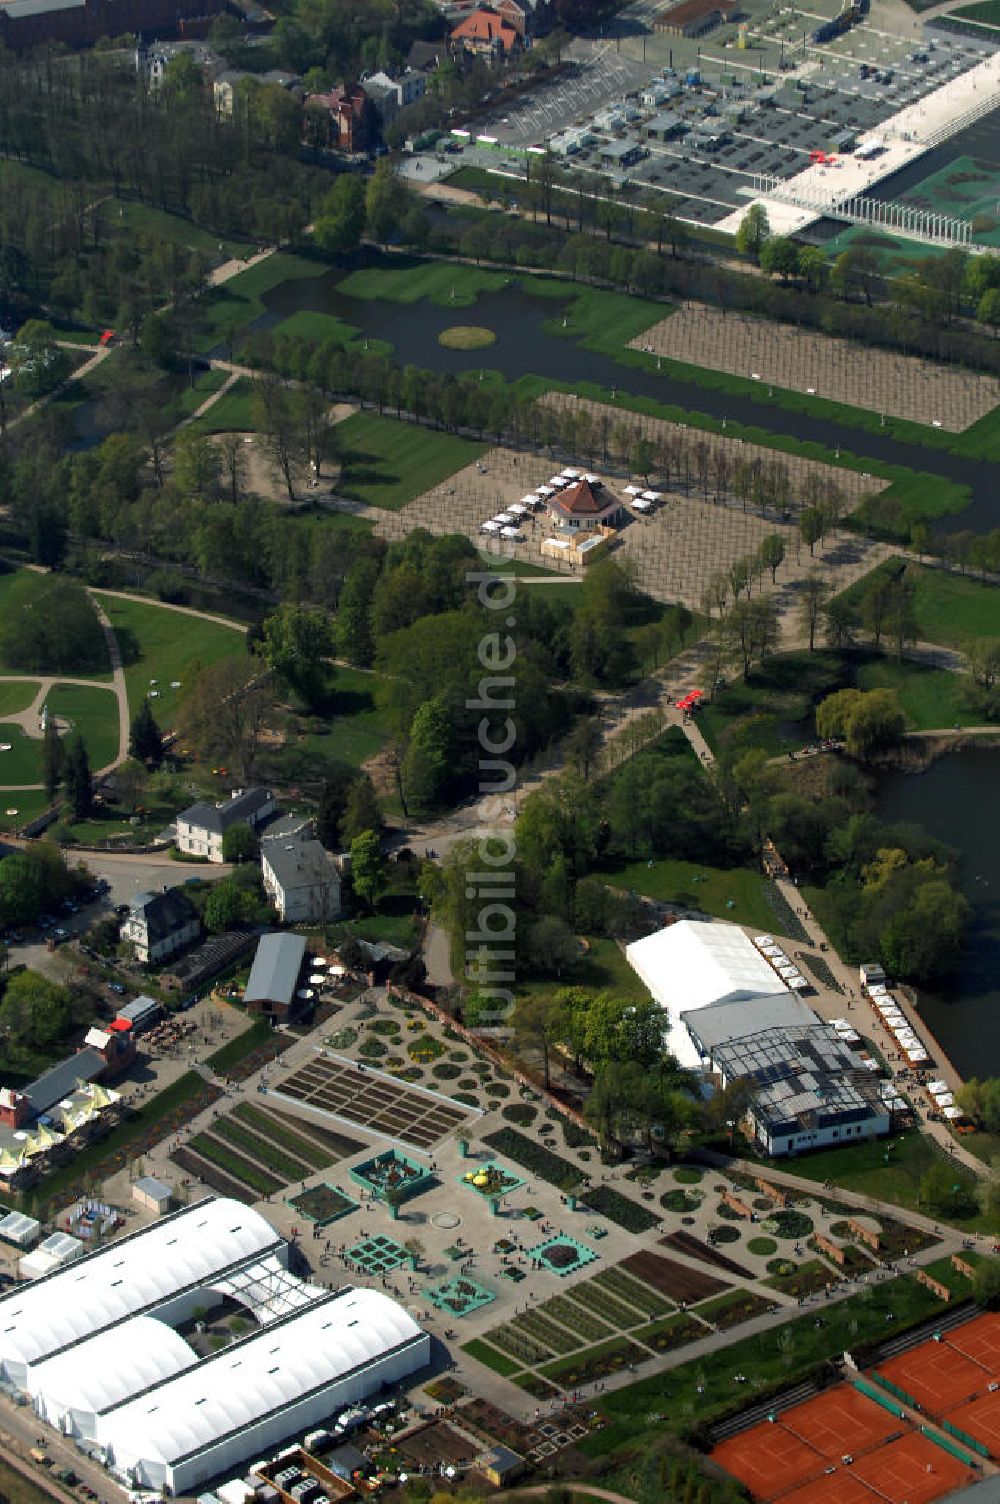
x=957, y=800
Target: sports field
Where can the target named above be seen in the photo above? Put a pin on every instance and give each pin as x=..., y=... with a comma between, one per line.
x=840, y=1448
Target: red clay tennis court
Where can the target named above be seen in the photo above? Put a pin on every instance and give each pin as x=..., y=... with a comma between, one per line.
x=979, y=1339
x=937, y=1375
x=840, y=1420
x=804, y=1440
x=911, y=1470
x=768, y=1459
x=980, y=1419
x=836, y=1487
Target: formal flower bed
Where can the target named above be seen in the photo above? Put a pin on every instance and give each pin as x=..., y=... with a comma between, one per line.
x=534, y=1157
x=680, y=1201
x=621, y=1209
x=594, y=1363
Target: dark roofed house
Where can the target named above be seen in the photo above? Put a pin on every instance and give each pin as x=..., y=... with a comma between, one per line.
x=60, y=1080
x=274, y=976
x=343, y=119
x=586, y=504
x=201, y=827
x=159, y=925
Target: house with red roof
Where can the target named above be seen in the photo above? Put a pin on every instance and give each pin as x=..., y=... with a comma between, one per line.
x=343, y=119
x=488, y=34
x=584, y=505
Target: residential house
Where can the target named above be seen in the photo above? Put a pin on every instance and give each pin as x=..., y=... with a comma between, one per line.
x=424, y=57
x=487, y=34
x=301, y=880
x=201, y=827
x=159, y=925
x=341, y=119
x=390, y=95
x=224, y=86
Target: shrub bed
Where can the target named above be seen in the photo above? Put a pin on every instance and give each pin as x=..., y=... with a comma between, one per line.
x=425, y=1048
x=789, y=1224
x=536, y=1158
x=387, y=1026
x=445, y=1071
x=621, y=1209
x=805, y=1279
x=521, y=1113
x=373, y=1049
x=725, y=1235
x=576, y=1137
x=675, y=1331
x=497, y=1089
x=538, y=1388
x=594, y=1363
x=734, y=1307
x=680, y=1201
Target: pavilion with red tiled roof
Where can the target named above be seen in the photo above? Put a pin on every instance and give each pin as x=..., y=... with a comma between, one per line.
x=587, y=503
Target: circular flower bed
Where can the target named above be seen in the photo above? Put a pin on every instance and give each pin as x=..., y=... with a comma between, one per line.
x=789, y=1224
x=425, y=1048
x=521, y=1113
x=445, y=1071
x=725, y=1235
x=762, y=1246
x=467, y=337
x=469, y=1083
x=726, y=1211
x=782, y=1266
x=497, y=1089
x=386, y=1026
x=372, y=1049
x=343, y=1038
x=680, y=1201
x=687, y=1175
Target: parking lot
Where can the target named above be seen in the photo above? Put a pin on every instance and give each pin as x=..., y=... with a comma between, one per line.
x=736, y=122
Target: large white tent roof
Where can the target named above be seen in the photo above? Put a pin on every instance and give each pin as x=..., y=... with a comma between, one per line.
x=692, y=964
x=134, y=1274
x=101, y=1372
x=271, y=1370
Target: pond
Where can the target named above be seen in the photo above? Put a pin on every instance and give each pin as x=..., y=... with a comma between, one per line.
x=957, y=800
x=523, y=346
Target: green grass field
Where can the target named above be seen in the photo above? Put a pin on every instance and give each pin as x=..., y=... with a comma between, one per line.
x=233, y=413
x=736, y=894
x=406, y=281
x=94, y=714
x=986, y=12
x=17, y=697
x=23, y=762
x=127, y=215
x=888, y=1169
x=950, y=609
x=387, y=463
x=357, y=729
x=168, y=645
x=602, y=967
x=192, y=396
x=228, y=309
x=931, y=697
x=25, y=807
x=325, y=328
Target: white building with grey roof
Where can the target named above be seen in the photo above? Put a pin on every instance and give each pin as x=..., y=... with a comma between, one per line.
x=301, y=880
x=201, y=827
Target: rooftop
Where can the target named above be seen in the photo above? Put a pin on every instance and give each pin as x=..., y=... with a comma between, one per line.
x=299, y=864
x=217, y=818
x=274, y=975
x=163, y=913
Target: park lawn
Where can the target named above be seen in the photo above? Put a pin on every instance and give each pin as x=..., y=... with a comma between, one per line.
x=386, y=463
x=519, y=567
x=888, y=1169
x=601, y=320
x=18, y=586
x=931, y=697
x=233, y=413
x=407, y=281
x=144, y=219
x=702, y=1390
x=165, y=645
x=25, y=806
x=91, y=712
x=17, y=697
x=735, y=893
x=194, y=393
x=602, y=966
x=326, y=328
x=23, y=763
x=950, y=609
x=773, y=709
x=392, y=921
x=227, y=310
x=357, y=729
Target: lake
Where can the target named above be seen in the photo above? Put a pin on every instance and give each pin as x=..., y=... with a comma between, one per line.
x=957, y=800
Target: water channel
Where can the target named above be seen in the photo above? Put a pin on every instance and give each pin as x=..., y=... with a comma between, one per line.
x=957, y=800
x=523, y=346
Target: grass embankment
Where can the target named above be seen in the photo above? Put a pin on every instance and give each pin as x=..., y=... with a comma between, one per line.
x=235, y=1050
x=703, y=1390
x=949, y=609
x=357, y=728
x=403, y=280
x=161, y=646
x=387, y=462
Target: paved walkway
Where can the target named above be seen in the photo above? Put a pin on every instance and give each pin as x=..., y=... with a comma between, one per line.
x=210, y=401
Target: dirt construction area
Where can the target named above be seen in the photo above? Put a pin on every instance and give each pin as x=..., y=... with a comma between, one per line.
x=900, y=386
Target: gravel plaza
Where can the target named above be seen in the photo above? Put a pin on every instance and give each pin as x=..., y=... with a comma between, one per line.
x=897, y=385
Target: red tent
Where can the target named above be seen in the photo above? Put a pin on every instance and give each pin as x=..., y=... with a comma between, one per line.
x=106, y=337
